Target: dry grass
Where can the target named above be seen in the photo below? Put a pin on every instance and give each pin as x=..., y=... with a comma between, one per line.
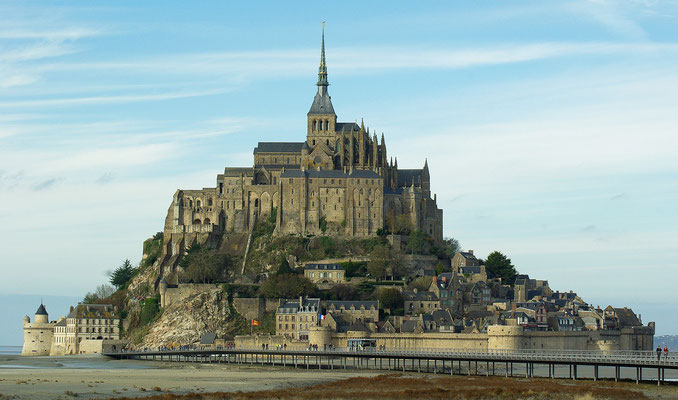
x=396, y=386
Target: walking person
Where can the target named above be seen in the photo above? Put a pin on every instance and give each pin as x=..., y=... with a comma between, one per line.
x=659, y=352
x=666, y=352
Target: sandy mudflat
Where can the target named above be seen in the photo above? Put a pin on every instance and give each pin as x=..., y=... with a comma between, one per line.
x=52, y=377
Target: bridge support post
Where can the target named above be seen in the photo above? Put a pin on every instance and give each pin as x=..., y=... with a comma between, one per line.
x=419, y=367
x=435, y=366
x=487, y=368
x=595, y=373
x=659, y=376
x=469, y=367
x=574, y=370
x=637, y=375
x=527, y=370
x=616, y=372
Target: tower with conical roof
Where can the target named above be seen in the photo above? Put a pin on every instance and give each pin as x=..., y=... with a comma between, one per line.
x=38, y=335
x=322, y=119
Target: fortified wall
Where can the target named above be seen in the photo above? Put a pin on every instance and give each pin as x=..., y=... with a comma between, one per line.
x=498, y=337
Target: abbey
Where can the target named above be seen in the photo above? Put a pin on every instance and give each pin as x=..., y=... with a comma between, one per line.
x=339, y=181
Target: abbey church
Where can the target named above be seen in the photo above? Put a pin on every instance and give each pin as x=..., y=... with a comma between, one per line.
x=338, y=181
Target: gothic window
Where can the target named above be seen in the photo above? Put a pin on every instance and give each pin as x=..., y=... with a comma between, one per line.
x=327, y=126
x=221, y=187
x=197, y=203
x=190, y=203
x=275, y=179
x=314, y=142
x=327, y=142
x=315, y=125
x=209, y=202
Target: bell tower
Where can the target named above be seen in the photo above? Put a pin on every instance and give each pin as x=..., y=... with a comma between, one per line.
x=321, y=118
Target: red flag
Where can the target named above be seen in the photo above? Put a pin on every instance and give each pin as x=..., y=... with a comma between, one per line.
x=255, y=322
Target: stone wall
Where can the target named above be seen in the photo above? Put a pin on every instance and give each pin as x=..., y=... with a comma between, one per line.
x=37, y=339
x=182, y=291
x=254, y=307
x=499, y=337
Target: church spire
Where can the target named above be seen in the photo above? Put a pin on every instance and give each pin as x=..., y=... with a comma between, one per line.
x=322, y=70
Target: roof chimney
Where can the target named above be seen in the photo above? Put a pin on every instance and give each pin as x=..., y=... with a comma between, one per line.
x=470, y=251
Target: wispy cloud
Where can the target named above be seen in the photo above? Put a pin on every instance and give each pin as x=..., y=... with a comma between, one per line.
x=93, y=100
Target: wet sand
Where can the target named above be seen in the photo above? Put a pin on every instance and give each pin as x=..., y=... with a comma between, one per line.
x=99, y=378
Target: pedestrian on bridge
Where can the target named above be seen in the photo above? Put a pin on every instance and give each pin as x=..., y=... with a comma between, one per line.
x=659, y=352
x=666, y=352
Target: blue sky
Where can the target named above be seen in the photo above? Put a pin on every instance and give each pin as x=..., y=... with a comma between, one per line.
x=549, y=127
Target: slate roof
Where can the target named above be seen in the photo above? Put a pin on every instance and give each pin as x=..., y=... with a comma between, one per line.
x=41, y=310
x=364, y=173
x=357, y=304
x=408, y=326
x=208, y=338
x=333, y=267
x=61, y=322
x=322, y=104
x=405, y=176
x=442, y=317
x=470, y=270
x=93, y=311
x=467, y=255
x=278, y=147
x=626, y=317
x=323, y=173
x=346, y=126
x=420, y=296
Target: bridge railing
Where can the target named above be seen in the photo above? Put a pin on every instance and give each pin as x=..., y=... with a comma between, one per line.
x=594, y=356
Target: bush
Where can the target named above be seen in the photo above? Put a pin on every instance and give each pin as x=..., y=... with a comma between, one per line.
x=391, y=298
x=149, y=311
x=354, y=268
x=287, y=286
x=323, y=224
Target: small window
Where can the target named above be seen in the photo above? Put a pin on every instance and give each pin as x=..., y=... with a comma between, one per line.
x=291, y=180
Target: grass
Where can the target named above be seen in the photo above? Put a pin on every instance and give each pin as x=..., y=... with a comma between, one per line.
x=397, y=386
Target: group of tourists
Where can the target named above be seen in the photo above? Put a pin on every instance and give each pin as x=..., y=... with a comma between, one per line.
x=659, y=352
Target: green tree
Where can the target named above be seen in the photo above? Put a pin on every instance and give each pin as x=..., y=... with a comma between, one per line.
x=287, y=286
x=447, y=249
x=421, y=284
x=440, y=268
x=283, y=267
x=122, y=274
x=501, y=266
x=391, y=298
x=416, y=242
x=380, y=259
x=344, y=292
x=203, y=265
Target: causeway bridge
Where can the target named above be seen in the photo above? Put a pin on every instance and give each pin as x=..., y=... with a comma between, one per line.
x=559, y=363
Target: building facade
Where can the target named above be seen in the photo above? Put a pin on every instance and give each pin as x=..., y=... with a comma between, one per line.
x=338, y=181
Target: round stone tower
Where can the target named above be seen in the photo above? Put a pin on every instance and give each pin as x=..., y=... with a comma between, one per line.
x=41, y=316
x=319, y=335
x=38, y=335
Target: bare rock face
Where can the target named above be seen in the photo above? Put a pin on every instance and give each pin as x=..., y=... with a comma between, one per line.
x=143, y=284
x=184, y=322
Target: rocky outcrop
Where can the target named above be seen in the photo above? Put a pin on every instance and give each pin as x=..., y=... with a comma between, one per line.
x=184, y=322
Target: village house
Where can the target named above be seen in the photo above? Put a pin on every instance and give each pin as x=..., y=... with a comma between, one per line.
x=294, y=318
x=325, y=275
x=417, y=302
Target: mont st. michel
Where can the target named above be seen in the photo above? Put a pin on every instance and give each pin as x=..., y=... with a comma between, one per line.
x=325, y=242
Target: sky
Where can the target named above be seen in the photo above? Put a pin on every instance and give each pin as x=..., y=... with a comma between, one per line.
x=550, y=128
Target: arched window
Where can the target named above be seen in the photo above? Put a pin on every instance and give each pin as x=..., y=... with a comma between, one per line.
x=327, y=142
x=207, y=221
x=327, y=125
x=197, y=203
x=256, y=202
x=315, y=125
x=209, y=202
x=197, y=221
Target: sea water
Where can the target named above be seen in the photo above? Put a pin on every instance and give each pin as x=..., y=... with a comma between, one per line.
x=12, y=350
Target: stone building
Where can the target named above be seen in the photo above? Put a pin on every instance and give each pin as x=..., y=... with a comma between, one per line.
x=295, y=318
x=417, y=302
x=338, y=181
x=38, y=335
x=325, y=274
x=87, y=329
